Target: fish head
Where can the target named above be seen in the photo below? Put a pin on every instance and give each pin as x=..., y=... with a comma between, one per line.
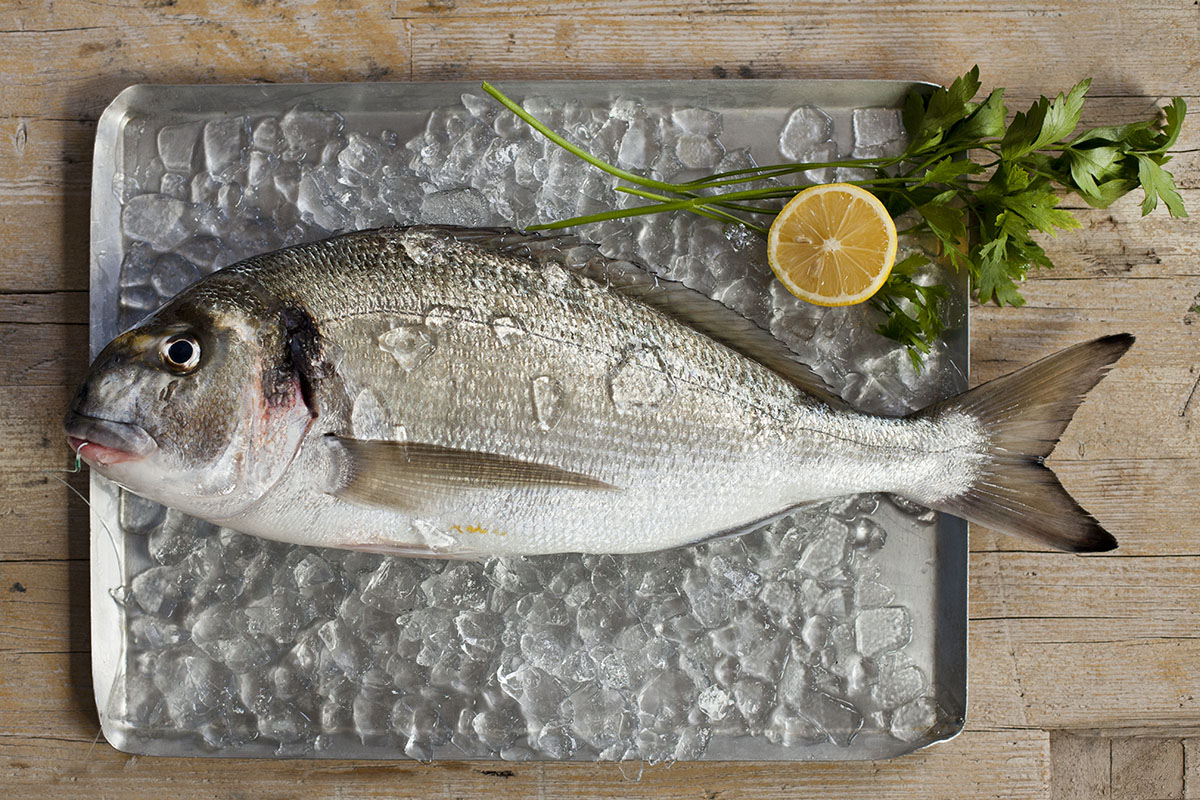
x=198, y=407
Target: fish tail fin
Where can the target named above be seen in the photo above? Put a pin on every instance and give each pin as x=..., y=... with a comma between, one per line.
x=1023, y=415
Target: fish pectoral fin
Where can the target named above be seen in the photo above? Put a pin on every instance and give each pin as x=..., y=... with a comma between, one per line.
x=404, y=475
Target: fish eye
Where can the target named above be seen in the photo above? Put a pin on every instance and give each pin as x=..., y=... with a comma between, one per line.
x=180, y=353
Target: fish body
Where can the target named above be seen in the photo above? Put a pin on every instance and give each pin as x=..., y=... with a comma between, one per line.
x=451, y=393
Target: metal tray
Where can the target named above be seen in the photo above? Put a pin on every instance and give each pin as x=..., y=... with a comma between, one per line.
x=224, y=214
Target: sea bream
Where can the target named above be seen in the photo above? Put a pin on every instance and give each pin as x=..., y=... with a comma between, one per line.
x=464, y=393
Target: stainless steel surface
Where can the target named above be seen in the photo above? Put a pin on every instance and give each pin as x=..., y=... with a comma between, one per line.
x=925, y=564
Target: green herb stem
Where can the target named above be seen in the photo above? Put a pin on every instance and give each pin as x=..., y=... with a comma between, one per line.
x=1005, y=196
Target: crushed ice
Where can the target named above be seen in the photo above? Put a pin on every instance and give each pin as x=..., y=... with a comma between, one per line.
x=786, y=633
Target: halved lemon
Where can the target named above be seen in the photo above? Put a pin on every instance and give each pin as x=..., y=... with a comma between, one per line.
x=833, y=245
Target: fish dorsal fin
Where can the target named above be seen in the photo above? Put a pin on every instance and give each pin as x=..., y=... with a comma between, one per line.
x=670, y=298
x=404, y=475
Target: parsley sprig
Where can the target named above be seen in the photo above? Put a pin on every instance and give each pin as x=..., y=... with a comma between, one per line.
x=963, y=170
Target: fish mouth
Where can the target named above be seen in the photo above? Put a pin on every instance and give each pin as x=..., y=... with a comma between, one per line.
x=105, y=442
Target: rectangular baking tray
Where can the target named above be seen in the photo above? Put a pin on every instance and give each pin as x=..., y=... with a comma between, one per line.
x=924, y=562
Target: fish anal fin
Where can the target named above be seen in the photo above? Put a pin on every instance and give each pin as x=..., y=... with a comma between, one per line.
x=408, y=475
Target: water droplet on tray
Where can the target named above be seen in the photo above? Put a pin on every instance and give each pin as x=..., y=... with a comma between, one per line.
x=368, y=420
x=640, y=380
x=410, y=345
x=508, y=329
x=442, y=316
x=547, y=401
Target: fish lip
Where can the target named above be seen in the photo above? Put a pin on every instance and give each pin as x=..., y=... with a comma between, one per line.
x=122, y=439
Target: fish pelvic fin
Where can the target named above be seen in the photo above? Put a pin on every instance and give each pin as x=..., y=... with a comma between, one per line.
x=1023, y=414
x=408, y=475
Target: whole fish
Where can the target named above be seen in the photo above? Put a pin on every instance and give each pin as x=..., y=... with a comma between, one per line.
x=463, y=393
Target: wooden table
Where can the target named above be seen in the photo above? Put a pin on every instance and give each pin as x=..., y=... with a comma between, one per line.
x=1084, y=676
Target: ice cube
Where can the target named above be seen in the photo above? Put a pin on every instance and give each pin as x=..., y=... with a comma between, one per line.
x=158, y=590
x=372, y=714
x=546, y=646
x=601, y=717
x=914, y=719
x=459, y=587
x=224, y=145
x=827, y=552
x=172, y=274
x=344, y=647
x=805, y=129
x=325, y=200
x=498, y=727
x=162, y=221
x=753, y=699
x=267, y=136
x=137, y=514
x=306, y=131
x=839, y=720
x=193, y=686
x=897, y=683
x=281, y=615
x=788, y=728
x=882, y=630
x=711, y=605
x=176, y=184
x=392, y=586
x=361, y=160
x=177, y=146
x=179, y=536
x=221, y=632
x=664, y=702
x=640, y=145
x=700, y=121
x=280, y=721
x=312, y=572
x=823, y=153
x=698, y=152
x=154, y=633
x=876, y=126
x=465, y=207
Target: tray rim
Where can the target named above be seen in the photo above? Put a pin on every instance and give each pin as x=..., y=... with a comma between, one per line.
x=952, y=532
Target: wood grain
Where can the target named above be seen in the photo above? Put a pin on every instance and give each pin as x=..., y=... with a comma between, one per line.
x=1056, y=642
x=1011, y=764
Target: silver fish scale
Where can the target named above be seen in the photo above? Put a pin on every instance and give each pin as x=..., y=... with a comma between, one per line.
x=698, y=439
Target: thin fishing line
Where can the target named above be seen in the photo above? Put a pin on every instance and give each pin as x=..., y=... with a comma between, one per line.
x=119, y=673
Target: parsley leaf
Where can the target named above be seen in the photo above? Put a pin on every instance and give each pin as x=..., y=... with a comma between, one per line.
x=984, y=224
x=1157, y=182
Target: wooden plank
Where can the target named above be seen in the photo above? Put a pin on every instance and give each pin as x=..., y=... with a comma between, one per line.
x=975, y=765
x=1080, y=766
x=44, y=607
x=47, y=694
x=41, y=517
x=31, y=437
x=627, y=8
x=1057, y=48
x=1103, y=642
x=45, y=244
x=1146, y=503
x=43, y=157
x=42, y=354
x=297, y=45
x=1147, y=769
x=302, y=47
x=29, y=15
x=44, y=307
x=1191, y=769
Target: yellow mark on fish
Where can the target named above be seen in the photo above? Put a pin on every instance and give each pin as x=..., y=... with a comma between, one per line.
x=477, y=529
